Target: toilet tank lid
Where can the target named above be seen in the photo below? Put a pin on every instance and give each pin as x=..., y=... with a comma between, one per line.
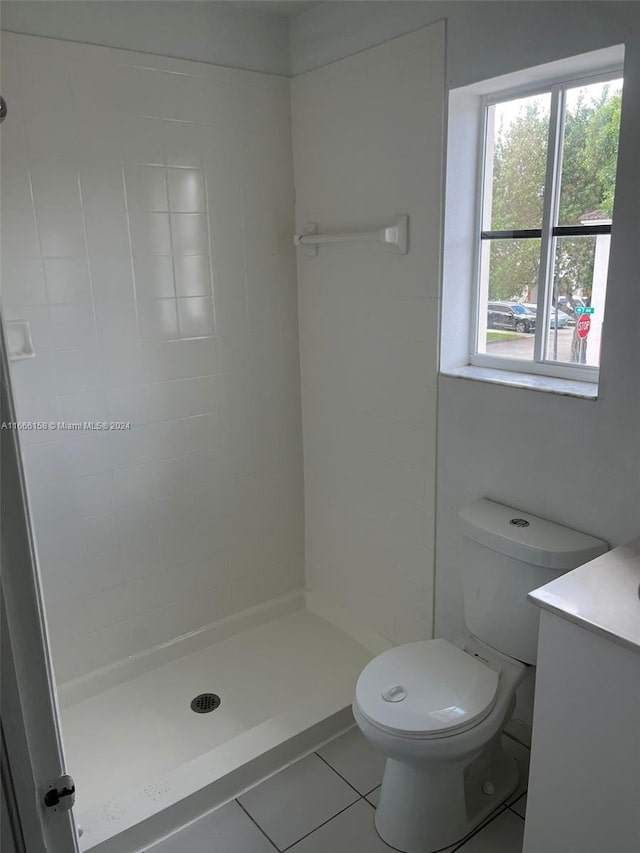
x=527, y=537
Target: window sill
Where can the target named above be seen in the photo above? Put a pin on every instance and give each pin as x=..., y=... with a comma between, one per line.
x=530, y=381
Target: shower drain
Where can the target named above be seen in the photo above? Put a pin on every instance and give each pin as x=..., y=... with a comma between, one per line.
x=205, y=702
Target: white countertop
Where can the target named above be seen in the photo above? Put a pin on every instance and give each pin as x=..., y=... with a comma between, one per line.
x=602, y=596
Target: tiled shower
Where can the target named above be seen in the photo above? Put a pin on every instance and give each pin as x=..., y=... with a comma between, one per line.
x=147, y=221
x=258, y=518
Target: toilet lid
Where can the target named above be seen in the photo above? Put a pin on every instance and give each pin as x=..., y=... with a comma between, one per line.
x=425, y=689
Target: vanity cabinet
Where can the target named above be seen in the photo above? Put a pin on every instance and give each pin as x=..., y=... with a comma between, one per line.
x=584, y=781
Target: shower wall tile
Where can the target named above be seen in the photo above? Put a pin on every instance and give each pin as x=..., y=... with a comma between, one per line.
x=77, y=370
x=146, y=238
x=158, y=319
x=16, y=183
x=189, y=232
x=61, y=232
x=72, y=324
x=111, y=280
x=148, y=630
x=192, y=275
x=19, y=233
x=195, y=317
x=92, y=495
x=55, y=183
x=149, y=233
x=23, y=282
x=40, y=409
x=186, y=191
x=144, y=596
x=154, y=277
x=67, y=280
x=107, y=232
x=101, y=184
x=87, y=406
x=116, y=322
x=37, y=378
x=146, y=188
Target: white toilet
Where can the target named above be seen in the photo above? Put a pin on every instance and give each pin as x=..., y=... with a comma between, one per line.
x=438, y=710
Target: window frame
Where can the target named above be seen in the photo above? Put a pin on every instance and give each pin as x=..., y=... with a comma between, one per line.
x=557, y=89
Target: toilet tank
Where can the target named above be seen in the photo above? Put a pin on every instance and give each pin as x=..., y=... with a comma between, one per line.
x=508, y=553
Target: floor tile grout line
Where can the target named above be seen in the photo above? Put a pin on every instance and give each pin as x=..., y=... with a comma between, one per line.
x=499, y=811
x=509, y=802
x=517, y=814
x=331, y=767
x=324, y=823
x=255, y=822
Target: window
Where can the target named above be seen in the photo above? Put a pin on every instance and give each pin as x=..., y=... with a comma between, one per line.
x=544, y=220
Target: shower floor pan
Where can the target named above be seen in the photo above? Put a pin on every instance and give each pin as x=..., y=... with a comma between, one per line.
x=145, y=764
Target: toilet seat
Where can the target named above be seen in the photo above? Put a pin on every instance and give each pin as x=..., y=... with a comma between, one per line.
x=426, y=689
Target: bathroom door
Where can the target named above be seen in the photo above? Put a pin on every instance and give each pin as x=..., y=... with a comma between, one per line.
x=32, y=755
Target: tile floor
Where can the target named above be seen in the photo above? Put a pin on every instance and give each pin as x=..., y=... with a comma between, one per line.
x=325, y=802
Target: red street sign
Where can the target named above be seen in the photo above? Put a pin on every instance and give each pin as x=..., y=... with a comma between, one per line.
x=583, y=325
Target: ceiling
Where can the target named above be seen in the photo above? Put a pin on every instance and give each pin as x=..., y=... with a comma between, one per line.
x=281, y=8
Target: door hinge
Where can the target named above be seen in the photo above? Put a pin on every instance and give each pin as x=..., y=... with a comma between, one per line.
x=59, y=794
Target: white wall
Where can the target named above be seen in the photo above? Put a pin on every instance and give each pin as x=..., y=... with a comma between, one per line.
x=484, y=39
x=147, y=221
x=367, y=137
x=221, y=33
x=566, y=459
x=570, y=460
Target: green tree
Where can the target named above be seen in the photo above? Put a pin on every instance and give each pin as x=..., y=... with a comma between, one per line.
x=519, y=168
x=590, y=157
x=588, y=184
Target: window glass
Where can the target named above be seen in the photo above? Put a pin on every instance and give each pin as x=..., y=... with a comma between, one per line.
x=555, y=255
x=578, y=297
x=590, y=151
x=517, y=140
x=509, y=273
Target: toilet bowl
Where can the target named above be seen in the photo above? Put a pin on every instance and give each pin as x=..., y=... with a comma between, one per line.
x=437, y=710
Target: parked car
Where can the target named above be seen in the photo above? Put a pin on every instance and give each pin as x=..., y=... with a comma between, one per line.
x=560, y=319
x=510, y=315
x=578, y=302
x=557, y=317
